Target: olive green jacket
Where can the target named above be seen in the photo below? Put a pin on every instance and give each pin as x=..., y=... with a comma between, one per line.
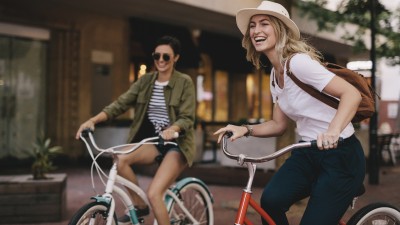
x=180, y=102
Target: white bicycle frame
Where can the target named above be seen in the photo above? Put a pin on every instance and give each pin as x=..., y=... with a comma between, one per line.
x=114, y=178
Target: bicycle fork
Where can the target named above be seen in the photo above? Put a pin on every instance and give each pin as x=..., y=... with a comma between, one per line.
x=107, y=197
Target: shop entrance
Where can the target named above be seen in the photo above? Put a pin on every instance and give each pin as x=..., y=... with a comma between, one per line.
x=22, y=94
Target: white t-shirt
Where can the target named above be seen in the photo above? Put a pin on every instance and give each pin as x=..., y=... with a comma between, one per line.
x=312, y=116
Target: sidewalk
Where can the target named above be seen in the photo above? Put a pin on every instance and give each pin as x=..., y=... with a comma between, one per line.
x=226, y=198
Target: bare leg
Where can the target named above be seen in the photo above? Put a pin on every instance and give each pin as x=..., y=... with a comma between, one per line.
x=143, y=156
x=172, y=165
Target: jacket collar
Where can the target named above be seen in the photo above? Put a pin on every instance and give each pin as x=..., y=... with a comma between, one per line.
x=172, y=80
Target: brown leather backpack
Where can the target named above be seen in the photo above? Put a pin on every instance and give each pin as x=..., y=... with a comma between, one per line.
x=367, y=105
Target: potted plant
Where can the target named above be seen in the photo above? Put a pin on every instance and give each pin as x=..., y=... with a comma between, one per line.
x=43, y=155
x=45, y=190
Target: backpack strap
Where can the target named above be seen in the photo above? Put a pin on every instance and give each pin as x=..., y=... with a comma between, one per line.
x=327, y=99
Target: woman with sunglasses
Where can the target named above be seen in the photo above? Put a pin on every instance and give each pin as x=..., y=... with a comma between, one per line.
x=331, y=174
x=164, y=103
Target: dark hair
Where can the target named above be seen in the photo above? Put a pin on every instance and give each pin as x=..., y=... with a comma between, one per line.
x=173, y=42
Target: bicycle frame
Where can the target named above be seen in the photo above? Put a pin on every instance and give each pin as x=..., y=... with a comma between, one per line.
x=108, y=197
x=249, y=162
x=247, y=200
x=114, y=178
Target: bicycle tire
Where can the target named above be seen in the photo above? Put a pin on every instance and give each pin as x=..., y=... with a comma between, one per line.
x=376, y=213
x=92, y=213
x=197, y=200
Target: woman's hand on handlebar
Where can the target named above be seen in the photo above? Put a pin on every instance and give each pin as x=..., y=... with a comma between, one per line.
x=237, y=132
x=328, y=140
x=89, y=124
x=169, y=134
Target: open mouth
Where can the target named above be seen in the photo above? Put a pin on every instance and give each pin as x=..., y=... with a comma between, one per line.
x=259, y=39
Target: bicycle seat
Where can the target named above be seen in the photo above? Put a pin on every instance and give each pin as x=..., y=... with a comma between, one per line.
x=361, y=191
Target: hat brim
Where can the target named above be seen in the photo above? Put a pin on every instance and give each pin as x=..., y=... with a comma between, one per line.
x=243, y=17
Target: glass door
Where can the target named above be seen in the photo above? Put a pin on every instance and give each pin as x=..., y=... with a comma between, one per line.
x=22, y=94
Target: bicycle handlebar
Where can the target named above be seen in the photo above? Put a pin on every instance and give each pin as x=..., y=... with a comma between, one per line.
x=242, y=158
x=124, y=148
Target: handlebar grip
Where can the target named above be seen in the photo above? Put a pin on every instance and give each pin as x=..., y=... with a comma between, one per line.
x=85, y=132
x=340, y=141
x=314, y=142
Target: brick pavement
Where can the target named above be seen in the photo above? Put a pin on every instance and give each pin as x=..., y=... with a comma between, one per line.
x=226, y=197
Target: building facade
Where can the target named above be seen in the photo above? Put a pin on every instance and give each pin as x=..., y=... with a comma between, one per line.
x=61, y=61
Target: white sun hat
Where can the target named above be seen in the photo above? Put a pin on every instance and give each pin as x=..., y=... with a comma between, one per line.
x=266, y=8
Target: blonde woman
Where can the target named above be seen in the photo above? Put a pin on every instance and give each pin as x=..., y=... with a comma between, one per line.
x=330, y=174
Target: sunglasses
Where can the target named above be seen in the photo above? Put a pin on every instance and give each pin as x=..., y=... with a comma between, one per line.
x=157, y=56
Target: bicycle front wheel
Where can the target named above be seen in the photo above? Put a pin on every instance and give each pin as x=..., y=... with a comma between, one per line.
x=197, y=201
x=376, y=214
x=94, y=213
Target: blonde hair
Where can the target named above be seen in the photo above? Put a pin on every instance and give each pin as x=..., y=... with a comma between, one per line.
x=286, y=45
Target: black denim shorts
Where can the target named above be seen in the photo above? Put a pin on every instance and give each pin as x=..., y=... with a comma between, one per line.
x=163, y=149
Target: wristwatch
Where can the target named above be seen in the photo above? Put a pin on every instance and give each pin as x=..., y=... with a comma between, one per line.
x=249, y=130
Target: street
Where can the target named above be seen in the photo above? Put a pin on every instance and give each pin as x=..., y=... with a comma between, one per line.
x=226, y=198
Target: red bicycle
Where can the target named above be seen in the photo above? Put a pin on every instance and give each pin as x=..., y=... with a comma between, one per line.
x=372, y=214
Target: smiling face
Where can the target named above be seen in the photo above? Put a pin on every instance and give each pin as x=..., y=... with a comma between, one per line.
x=262, y=33
x=165, y=59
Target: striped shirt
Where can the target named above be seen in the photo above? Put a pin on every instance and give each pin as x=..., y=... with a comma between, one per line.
x=157, y=111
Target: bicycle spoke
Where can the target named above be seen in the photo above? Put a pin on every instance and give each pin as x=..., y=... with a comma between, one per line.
x=376, y=214
x=194, y=200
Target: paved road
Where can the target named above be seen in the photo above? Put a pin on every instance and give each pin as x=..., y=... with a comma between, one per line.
x=79, y=191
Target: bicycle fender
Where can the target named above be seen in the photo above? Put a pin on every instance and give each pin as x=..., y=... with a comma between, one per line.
x=186, y=180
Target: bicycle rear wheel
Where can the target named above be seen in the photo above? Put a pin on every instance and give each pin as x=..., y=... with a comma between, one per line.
x=376, y=214
x=94, y=213
x=197, y=201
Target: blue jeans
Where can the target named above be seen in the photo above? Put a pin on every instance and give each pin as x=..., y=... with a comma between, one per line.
x=331, y=178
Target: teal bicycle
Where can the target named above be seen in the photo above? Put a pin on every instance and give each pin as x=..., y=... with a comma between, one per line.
x=189, y=201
